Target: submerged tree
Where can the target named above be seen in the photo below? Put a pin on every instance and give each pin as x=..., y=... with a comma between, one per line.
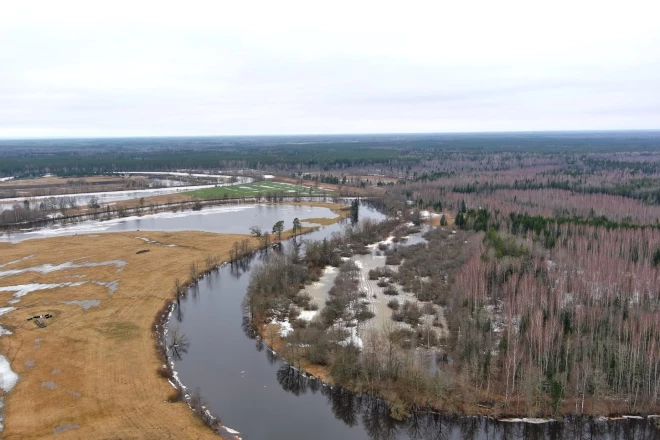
x=355, y=211
x=297, y=227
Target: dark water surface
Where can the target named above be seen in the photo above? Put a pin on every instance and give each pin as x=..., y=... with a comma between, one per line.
x=258, y=395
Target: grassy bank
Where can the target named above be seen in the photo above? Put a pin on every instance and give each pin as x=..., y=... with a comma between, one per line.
x=92, y=372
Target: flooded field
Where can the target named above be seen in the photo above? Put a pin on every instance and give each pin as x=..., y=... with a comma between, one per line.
x=243, y=381
x=234, y=219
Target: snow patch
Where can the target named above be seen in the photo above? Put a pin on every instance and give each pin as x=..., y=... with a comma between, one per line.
x=85, y=304
x=308, y=315
x=16, y=261
x=4, y=310
x=48, y=268
x=23, y=289
x=8, y=378
x=285, y=327
x=352, y=339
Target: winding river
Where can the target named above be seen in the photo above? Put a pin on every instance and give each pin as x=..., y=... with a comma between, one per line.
x=261, y=397
x=258, y=395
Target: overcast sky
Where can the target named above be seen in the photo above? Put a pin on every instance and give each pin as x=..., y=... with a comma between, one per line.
x=141, y=68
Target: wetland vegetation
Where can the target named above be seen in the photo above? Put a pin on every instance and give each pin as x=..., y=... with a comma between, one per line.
x=516, y=275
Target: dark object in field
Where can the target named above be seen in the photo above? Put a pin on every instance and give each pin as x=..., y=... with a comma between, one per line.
x=47, y=315
x=142, y=251
x=40, y=323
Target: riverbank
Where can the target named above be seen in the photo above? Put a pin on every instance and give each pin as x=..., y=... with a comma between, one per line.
x=445, y=390
x=92, y=371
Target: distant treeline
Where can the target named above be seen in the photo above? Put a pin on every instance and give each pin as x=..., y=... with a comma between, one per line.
x=75, y=157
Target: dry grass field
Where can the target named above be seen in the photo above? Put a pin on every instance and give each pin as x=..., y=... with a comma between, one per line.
x=92, y=371
x=95, y=370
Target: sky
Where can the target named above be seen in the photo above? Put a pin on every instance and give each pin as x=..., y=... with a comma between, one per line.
x=185, y=68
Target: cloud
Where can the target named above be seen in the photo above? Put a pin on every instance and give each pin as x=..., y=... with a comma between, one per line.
x=159, y=68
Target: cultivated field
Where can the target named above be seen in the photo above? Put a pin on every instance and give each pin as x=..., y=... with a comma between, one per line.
x=256, y=189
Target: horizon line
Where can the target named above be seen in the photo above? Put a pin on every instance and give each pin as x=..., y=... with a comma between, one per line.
x=500, y=132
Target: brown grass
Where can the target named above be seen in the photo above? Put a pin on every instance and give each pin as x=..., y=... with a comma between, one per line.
x=435, y=221
x=102, y=360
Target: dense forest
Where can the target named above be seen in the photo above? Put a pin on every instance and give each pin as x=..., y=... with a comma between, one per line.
x=398, y=154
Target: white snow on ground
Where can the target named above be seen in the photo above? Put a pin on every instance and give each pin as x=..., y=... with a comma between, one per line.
x=268, y=176
x=3, y=310
x=5, y=179
x=48, y=268
x=156, y=242
x=231, y=431
x=239, y=179
x=533, y=420
x=306, y=315
x=16, y=261
x=285, y=327
x=23, y=289
x=388, y=241
x=352, y=339
x=8, y=378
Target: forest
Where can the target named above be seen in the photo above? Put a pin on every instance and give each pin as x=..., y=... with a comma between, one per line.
x=546, y=302
x=534, y=291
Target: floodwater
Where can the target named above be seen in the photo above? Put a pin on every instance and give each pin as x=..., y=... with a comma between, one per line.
x=227, y=219
x=109, y=197
x=255, y=393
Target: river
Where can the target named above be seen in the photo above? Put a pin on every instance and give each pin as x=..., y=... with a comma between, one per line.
x=256, y=394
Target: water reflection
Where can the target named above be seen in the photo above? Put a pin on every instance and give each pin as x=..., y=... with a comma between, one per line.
x=374, y=415
x=242, y=387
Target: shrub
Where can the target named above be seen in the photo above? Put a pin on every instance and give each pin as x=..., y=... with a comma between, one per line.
x=428, y=309
x=393, y=259
x=427, y=337
x=393, y=304
x=409, y=313
x=299, y=323
x=391, y=290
